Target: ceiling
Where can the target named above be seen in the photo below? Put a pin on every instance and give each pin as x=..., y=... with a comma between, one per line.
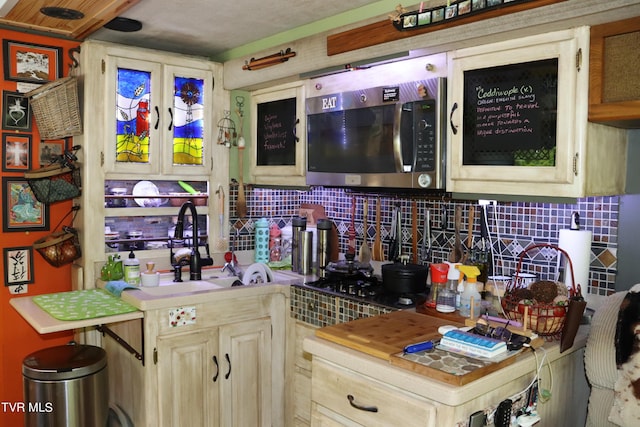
x=197, y=27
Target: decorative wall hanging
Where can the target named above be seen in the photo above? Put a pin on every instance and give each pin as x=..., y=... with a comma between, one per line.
x=16, y=152
x=18, y=266
x=16, y=111
x=226, y=130
x=268, y=61
x=31, y=63
x=21, y=211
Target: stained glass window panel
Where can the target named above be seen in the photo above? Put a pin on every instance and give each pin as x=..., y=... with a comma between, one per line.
x=133, y=99
x=188, y=121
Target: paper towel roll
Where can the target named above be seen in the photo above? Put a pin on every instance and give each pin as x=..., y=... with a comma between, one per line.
x=577, y=243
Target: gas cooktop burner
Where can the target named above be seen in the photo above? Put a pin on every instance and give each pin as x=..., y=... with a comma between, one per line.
x=367, y=290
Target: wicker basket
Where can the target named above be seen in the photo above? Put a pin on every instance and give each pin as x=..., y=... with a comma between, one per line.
x=56, y=109
x=545, y=319
x=60, y=247
x=54, y=183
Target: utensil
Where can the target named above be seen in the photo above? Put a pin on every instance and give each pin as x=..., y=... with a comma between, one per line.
x=414, y=231
x=457, y=254
x=351, y=243
x=241, y=203
x=467, y=254
x=425, y=251
x=377, y=242
x=395, y=235
x=365, y=252
x=222, y=242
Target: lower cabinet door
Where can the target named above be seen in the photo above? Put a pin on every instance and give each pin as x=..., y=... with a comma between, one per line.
x=188, y=376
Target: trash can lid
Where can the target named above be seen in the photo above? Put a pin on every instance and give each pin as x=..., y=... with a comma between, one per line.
x=64, y=362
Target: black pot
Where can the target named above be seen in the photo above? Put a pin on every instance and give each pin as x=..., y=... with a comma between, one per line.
x=400, y=278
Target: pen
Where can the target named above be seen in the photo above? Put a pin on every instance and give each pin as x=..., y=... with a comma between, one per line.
x=421, y=346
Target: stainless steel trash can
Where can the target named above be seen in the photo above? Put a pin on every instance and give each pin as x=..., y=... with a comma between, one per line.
x=66, y=386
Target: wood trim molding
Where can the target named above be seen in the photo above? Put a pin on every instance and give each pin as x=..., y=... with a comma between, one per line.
x=384, y=31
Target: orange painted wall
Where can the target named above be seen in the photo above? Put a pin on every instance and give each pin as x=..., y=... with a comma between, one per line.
x=17, y=337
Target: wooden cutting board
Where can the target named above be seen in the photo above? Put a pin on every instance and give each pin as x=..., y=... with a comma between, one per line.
x=381, y=336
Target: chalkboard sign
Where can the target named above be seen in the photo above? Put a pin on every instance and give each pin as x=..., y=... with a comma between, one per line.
x=510, y=114
x=276, y=142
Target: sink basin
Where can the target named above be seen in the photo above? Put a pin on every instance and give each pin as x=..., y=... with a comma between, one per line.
x=171, y=288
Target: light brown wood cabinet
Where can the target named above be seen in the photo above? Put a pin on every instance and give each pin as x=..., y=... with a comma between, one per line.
x=614, y=82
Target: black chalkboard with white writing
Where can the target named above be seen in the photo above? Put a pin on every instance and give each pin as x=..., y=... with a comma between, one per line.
x=510, y=114
x=276, y=142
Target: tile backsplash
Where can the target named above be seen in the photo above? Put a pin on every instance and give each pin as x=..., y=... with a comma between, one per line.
x=513, y=226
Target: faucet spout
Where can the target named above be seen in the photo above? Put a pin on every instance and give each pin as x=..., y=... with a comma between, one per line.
x=195, y=262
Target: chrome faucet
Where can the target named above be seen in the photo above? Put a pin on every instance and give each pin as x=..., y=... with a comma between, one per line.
x=231, y=264
x=195, y=261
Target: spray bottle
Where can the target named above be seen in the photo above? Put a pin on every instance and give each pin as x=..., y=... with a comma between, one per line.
x=470, y=297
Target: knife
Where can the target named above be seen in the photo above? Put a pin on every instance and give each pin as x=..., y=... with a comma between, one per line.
x=420, y=346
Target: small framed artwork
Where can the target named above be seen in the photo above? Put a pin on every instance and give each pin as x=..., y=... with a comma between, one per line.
x=18, y=266
x=437, y=14
x=451, y=11
x=50, y=151
x=491, y=3
x=410, y=21
x=16, y=152
x=464, y=7
x=16, y=111
x=31, y=63
x=21, y=211
x=424, y=18
x=478, y=4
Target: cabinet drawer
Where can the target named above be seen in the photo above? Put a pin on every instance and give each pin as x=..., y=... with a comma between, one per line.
x=332, y=386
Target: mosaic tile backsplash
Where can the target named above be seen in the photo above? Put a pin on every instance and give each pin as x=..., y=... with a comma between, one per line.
x=513, y=226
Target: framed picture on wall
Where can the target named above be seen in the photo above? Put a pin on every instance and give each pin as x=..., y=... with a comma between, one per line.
x=21, y=211
x=16, y=152
x=16, y=111
x=31, y=63
x=50, y=151
x=18, y=266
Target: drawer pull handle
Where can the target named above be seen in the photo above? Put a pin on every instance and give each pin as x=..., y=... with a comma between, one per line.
x=226, y=376
x=361, y=407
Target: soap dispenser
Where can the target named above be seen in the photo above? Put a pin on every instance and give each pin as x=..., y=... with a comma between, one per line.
x=470, y=299
x=132, y=270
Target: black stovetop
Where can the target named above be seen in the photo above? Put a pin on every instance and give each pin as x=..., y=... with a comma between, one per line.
x=366, y=289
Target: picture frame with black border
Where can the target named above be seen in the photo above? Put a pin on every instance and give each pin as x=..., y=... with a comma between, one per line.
x=16, y=111
x=18, y=266
x=437, y=15
x=451, y=11
x=478, y=4
x=21, y=211
x=491, y=3
x=16, y=152
x=31, y=62
x=409, y=21
x=464, y=7
x=424, y=18
x=49, y=151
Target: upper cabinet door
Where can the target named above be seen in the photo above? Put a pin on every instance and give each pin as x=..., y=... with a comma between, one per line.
x=518, y=120
x=278, y=136
x=188, y=133
x=133, y=97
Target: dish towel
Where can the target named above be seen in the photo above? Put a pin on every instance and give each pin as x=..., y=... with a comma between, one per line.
x=117, y=286
x=82, y=304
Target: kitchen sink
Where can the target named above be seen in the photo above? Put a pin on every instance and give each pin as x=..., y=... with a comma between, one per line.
x=168, y=287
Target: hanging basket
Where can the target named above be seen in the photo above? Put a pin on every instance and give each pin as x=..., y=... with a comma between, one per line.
x=56, y=109
x=54, y=183
x=544, y=318
x=60, y=247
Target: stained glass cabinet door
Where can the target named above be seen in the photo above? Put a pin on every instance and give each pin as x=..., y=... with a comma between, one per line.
x=188, y=140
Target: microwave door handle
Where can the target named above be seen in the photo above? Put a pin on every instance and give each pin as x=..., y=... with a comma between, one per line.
x=397, y=142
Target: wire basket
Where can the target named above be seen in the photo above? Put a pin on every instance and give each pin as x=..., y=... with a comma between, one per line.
x=56, y=109
x=544, y=318
x=60, y=247
x=54, y=183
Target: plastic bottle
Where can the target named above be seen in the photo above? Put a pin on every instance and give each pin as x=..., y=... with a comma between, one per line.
x=132, y=270
x=470, y=297
x=262, y=240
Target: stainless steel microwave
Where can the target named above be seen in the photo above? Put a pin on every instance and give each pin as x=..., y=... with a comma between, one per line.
x=382, y=137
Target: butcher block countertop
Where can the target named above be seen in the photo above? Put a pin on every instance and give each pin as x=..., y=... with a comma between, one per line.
x=371, y=346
